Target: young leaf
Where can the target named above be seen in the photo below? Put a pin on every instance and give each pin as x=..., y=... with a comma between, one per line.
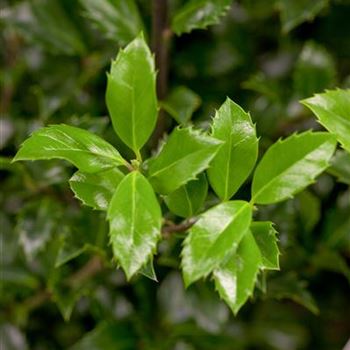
x=118, y=20
x=213, y=237
x=135, y=221
x=295, y=12
x=265, y=238
x=186, y=153
x=88, y=152
x=235, y=279
x=197, y=14
x=188, y=199
x=131, y=94
x=290, y=165
x=96, y=190
x=236, y=158
x=332, y=109
x=181, y=103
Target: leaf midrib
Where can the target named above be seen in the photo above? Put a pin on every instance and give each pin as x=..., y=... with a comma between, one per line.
x=155, y=174
x=269, y=183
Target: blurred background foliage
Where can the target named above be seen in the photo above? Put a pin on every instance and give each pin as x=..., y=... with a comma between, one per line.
x=60, y=288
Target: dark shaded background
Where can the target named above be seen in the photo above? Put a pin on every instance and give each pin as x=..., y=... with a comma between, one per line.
x=53, y=65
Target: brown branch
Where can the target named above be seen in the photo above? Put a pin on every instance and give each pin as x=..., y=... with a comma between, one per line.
x=161, y=35
x=89, y=270
x=94, y=266
x=177, y=228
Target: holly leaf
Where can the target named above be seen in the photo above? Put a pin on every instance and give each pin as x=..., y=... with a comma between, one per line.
x=186, y=153
x=181, y=103
x=266, y=240
x=187, y=200
x=314, y=71
x=289, y=286
x=340, y=166
x=295, y=12
x=235, y=279
x=213, y=237
x=118, y=20
x=135, y=221
x=96, y=190
x=290, y=165
x=332, y=110
x=236, y=158
x=108, y=336
x=131, y=94
x=199, y=14
x=37, y=222
x=88, y=152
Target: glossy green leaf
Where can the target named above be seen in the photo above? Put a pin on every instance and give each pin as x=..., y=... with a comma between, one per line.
x=187, y=200
x=290, y=165
x=181, y=103
x=235, y=279
x=131, y=94
x=213, y=238
x=119, y=20
x=108, y=336
x=295, y=12
x=135, y=221
x=186, y=153
x=340, y=166
x=96, y=190
x=199, y=14
x=314, y=71
x=266, y=240
x=88, y=152
x=236, y=158
x=332, y=109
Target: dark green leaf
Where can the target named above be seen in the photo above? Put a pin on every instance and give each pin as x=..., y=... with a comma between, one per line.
x=340, y=166
x=309, y=207
x=199, y=14
x=108, y=336
x=290, y=165
x=332, y=109
x=187, y=200
x=266, y=240
x=235, y=279
x=295, y=12
x=85, y=150
x=43, y=25
x=118, y=20
x=236, y=158
x=37, y=223
x=96, y=190
x=290, y=287
x=135, y=221
x=185, y=154
x=131, y=94
x=213, y=238
x=328, y=259
x=314, y=70
x=181, y=103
